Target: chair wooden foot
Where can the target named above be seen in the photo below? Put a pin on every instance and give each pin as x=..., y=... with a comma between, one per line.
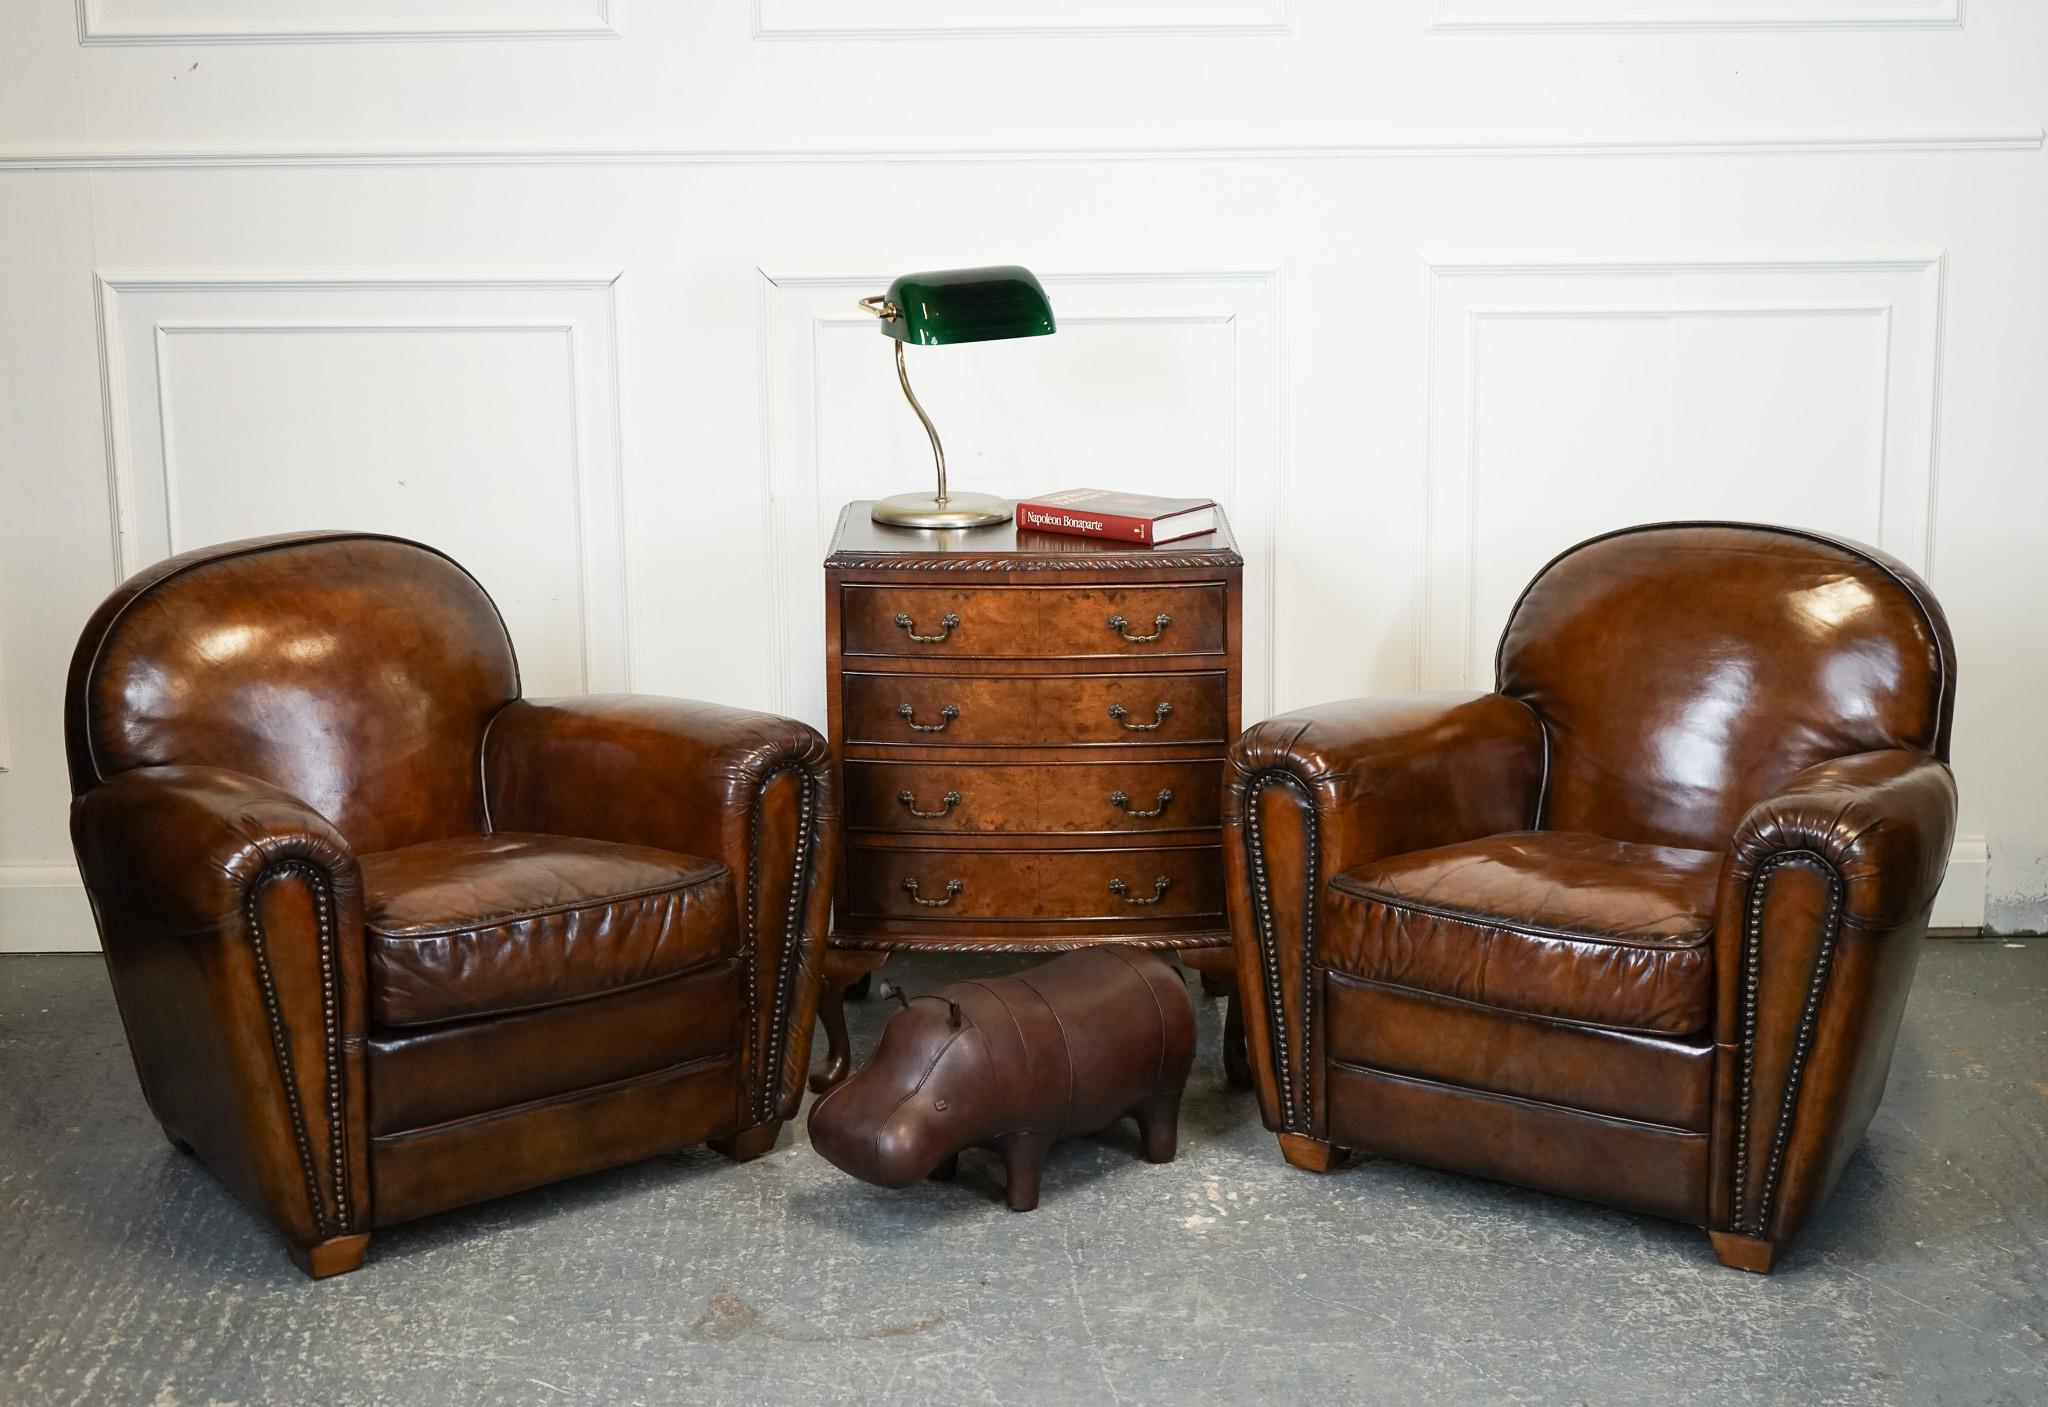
x=1739, y=1252
x=1312, y=1154
x=334, y=1257
x=748, y=1144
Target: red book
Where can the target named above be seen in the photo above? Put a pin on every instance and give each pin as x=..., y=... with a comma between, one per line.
x=1124, y=517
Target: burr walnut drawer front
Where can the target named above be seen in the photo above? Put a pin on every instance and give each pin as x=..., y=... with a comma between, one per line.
x=1033, y=621
x=965, y=885
x=949, y=710
x=1108, y=797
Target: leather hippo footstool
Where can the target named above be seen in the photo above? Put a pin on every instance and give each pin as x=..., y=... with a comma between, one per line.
x=1013, y=1063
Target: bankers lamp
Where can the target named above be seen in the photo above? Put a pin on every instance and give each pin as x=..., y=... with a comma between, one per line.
x=935, y=310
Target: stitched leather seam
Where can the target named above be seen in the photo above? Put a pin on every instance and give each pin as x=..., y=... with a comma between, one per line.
x=695, y=969
x=1295, y=1116
x=567, y=906
x=1357, y=889
x=1352, y=979
x=317, y=883
x=1520, y=1101
x=1802, y=1044
x=491, y=1116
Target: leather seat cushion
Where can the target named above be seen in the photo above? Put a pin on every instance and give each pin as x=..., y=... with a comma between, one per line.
x=484, y=924
x=1544, y=923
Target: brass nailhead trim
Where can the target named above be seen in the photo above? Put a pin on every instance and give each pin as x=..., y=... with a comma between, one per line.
x=1802, y=1045
x=770, y=1076
x=1294, y=1113
x=316, y=881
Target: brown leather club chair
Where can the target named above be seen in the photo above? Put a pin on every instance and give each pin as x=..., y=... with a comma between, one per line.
x=388, y=938
x=1637, y=926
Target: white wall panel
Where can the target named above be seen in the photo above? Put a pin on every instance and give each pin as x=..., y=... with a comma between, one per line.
x=475, y=413
x=1549, y=266
x=1569, y=399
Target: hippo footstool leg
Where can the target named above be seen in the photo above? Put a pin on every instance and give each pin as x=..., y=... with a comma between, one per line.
x=1023, y=1161
x=1158, y=1126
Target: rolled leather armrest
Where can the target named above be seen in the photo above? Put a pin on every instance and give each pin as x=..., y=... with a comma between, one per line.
x=752, y=789
x=230, y=914
x=1824, y=900
x=181, y=847
x=1314, y=793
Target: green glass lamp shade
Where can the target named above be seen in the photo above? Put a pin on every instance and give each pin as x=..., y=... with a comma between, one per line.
x=968, y=305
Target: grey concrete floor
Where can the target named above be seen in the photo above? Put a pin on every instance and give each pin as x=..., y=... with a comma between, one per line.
x=128, y=1276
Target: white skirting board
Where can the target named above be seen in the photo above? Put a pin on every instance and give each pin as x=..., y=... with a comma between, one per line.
x=43, y=908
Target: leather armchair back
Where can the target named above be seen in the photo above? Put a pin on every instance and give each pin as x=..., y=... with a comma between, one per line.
x=1683, y=671
x=354, y=671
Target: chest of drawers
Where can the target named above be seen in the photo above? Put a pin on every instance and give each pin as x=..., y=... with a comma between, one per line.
x=1032, y=730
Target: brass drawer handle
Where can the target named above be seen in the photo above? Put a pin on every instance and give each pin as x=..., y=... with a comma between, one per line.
x=953, y=887
x=1123, y=802
x=947, y=623
x=1123, y=715
x=908, y=713
x=1123, y=628
x=1159, y=888
x=909, y=799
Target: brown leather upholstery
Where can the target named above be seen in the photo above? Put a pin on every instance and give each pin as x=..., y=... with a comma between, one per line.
x=1639, y=925
x=1547, y=923
x=387, y=938
x=486, y=924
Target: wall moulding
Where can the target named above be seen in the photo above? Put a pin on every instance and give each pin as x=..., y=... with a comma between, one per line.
x=151, y=322
x=114, y=22
x=1624, y=16
x=1786, y=142
x=1891, y=311
x=988, y=19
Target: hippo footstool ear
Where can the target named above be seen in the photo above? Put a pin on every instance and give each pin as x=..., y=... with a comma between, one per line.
x=1013, y=1064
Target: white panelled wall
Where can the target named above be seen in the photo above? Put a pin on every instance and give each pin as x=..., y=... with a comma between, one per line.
x=1422, y=290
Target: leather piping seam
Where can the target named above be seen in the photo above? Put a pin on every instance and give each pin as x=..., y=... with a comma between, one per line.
x=1942, y=722
x=317, y=883
x=1802, y=1044
x=513, y=1111
x=1352, y=979
x=1173, y=943
x=681, y=974
x=774, y=1053
x=92, y=754
x=1358, y=889
x=1521, y=1101
x=567, y=906
x=1295, y=1117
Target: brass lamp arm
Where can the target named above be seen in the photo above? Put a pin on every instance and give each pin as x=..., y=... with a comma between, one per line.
x=938, y=450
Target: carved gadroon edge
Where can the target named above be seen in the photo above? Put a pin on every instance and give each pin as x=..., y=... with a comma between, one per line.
x=768, y=1085
x=924, y=562
x=1756, y=1223
x=1175, y=943
x=1294, y=1111
x=342, y=1221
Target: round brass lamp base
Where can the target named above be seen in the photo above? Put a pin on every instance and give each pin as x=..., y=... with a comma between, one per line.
x=960, y=510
